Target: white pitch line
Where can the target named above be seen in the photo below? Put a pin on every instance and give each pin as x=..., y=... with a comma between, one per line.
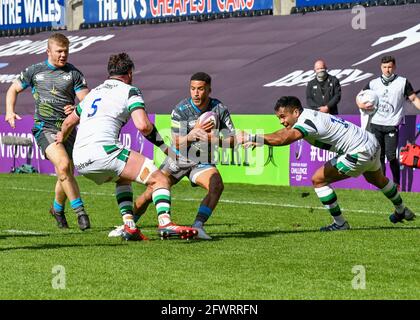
x=256, y=203
x=23, y=232
x=52, y=191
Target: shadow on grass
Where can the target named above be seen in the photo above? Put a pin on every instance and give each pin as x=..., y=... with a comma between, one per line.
x=215, y=236
x=13, y=235
x=58, y=232
x=269, y=233
x=58, y=246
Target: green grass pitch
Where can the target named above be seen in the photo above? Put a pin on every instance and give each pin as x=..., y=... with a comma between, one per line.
x=266, y=246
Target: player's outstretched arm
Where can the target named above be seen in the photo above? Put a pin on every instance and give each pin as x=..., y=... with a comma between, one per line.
x=281, y=137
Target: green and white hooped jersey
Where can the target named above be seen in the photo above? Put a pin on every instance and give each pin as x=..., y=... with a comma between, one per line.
x=104, y=111
x=334, y=134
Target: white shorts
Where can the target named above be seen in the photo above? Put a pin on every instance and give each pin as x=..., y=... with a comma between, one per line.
x=101, y=163
x=355, y=164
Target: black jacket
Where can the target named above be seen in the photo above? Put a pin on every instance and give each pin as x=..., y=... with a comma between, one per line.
x=323, y=93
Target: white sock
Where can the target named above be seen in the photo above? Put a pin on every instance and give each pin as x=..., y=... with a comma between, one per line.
x=164, y=219
x=128, y=221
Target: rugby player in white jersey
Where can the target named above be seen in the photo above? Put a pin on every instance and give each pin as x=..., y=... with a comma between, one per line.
x=100, y=156
x=358, y=152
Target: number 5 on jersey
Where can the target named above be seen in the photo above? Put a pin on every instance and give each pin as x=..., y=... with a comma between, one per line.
x=94, y=107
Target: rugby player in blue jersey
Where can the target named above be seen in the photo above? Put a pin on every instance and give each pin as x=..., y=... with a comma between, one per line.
x=192, y=153
x=55, y=85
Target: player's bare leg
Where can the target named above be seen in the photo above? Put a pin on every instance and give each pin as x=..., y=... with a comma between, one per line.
x=142, y=202
x=390, y=190
x=57, y=154
x=321, y=180
x=57, y=208
x=213, y=183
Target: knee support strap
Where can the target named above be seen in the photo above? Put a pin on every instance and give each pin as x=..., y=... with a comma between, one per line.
x=146, y=171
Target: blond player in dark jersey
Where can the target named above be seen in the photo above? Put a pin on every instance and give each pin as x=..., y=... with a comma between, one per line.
x=55, y=85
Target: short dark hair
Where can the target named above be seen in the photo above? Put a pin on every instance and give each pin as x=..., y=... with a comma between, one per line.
x=386, y=59
x=288, y=102
x=201, y=76
x=120, y=64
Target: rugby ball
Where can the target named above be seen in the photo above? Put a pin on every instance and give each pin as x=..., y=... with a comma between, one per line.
x=368, y=97
x=209, y=116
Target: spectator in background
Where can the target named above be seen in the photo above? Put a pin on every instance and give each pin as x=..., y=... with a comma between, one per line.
x=392, y=91
x=323, y=93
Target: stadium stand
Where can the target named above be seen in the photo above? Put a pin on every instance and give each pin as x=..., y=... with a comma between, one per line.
x=253, y=60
